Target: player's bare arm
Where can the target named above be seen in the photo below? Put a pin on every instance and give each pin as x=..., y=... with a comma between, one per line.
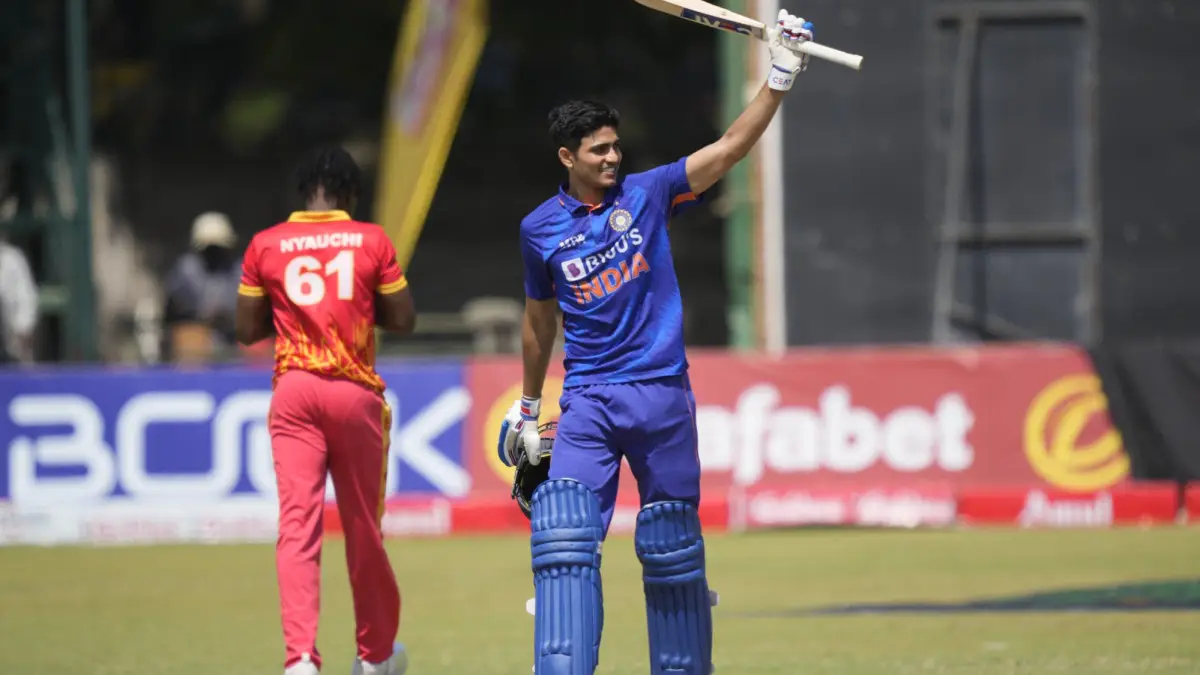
x=252, y=319
x=395, y=312
x=539, y=328
x=519, y=431
x=710, y=164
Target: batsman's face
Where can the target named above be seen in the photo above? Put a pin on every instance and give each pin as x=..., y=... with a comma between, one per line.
x=598, y=159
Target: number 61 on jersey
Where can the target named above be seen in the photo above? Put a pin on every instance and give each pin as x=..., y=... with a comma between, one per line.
x=304, y=278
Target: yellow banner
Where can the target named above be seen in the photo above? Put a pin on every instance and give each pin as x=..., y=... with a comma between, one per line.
x=436, y=55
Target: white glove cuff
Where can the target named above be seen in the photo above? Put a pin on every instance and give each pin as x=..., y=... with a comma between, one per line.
x=781, y=79
x=531, y=407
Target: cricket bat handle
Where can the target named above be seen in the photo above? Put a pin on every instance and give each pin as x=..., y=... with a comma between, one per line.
x=829, y=54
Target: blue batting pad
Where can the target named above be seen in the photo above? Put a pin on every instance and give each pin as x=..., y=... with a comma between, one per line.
x=670, y=545
x=569, y=616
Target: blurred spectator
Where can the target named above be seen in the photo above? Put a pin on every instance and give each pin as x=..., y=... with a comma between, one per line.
x=201, y=292
x=18, y=305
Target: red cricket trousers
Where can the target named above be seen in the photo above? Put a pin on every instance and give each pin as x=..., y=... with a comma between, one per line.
x=321, y=425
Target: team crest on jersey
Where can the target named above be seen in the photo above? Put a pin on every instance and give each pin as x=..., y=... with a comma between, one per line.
x=620, y=220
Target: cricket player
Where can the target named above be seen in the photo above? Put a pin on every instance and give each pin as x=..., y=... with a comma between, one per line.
x=599, y=251
x=321, y=282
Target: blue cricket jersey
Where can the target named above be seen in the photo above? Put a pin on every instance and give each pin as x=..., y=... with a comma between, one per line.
x=609, y=266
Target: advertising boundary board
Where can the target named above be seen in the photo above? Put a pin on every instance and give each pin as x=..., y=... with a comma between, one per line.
x=1192, y=502
x=897, y=437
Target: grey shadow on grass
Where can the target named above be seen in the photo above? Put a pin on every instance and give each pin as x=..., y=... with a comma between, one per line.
x=1156, y=596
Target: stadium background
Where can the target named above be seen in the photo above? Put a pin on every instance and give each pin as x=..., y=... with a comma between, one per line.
x=957, y=288
x=928, y=208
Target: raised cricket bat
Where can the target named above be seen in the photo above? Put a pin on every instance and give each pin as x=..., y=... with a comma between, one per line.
x=708, y=14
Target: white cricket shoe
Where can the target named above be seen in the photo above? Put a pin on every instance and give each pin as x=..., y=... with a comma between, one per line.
x=304, y=666
x=396, y=665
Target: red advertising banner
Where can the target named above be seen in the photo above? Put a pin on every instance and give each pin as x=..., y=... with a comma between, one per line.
x=766, y=507
x=853, y=420
x=441, y=517
x=1028, y=415
x=1192, y=503
x=1142, y=504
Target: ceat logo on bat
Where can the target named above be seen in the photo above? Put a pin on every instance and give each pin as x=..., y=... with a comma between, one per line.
x=715, y=22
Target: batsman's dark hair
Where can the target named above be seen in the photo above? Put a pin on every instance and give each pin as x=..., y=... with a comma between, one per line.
x=573, y=120
x=333, y=169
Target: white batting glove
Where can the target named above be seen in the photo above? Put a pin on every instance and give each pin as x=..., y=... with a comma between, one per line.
x=786, y=63
x=519, y=433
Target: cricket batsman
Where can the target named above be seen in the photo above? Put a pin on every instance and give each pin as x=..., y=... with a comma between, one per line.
x=321, y=282
x=599, y=251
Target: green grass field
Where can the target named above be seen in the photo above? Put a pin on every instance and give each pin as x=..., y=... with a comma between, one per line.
x=193, y=610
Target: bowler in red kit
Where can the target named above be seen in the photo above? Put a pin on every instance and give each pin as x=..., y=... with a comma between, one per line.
x=321, y=282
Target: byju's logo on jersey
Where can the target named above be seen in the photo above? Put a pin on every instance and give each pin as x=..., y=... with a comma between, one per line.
x=621, y=269
x=573, y=269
